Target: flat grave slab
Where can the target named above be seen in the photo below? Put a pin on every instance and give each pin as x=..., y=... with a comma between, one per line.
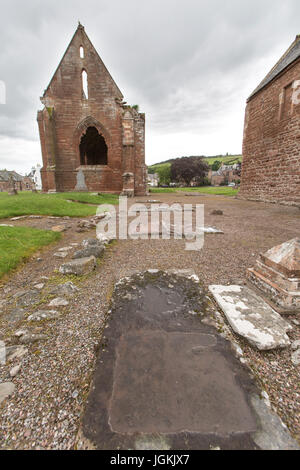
x=164, y=379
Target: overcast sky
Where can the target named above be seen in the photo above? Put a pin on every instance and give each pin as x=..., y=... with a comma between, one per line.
x=189, y=64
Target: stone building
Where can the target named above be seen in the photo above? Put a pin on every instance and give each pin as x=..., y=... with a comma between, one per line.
x=90, y=139
x=35, y=174
x=271, y=147
x=225, y=174
x=153, y=180
x=12, y=180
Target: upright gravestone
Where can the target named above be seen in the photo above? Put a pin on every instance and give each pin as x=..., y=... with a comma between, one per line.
x=12, y=187
x=81, y=186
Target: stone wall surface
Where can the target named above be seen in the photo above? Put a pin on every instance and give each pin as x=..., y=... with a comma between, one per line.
x=271, y=146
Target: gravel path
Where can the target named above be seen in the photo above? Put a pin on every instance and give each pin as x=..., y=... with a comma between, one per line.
x=53, y=382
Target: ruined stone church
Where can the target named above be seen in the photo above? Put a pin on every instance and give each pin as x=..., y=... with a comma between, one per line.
x=90, y=139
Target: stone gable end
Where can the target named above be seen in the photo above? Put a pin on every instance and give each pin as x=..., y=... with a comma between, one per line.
x=88, y=134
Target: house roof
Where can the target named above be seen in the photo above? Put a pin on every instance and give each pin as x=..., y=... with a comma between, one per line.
x=5, y=175
x=292, y=54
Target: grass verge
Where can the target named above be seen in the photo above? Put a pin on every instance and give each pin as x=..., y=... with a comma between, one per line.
x=19, y=243
x=58, y=205
x=219, y=190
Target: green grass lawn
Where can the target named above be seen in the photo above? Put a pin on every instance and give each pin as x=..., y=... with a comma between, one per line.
x=219, y=190
x=28, y=203
x=19, y=243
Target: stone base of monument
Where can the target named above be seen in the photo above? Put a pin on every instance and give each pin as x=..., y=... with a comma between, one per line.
x=12, y=192
x=277, y=276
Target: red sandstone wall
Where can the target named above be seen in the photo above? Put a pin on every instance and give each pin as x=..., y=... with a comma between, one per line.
x=141, y=174
x=271, y=147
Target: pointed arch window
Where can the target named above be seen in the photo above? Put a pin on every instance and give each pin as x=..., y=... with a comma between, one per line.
x=92, y=148
x=85, y=88
x=81, y=52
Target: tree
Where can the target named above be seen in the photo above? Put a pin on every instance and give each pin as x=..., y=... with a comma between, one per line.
x=164, y=172
x=216, y=165
x=186, y=169
x=151, y=170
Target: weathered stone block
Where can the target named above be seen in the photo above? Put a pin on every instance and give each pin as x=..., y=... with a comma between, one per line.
x=6, y=389
x=251, y=317
x=96, y=250
x=79, y=266
x=277, y=275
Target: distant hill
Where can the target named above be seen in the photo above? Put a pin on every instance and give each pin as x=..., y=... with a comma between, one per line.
x=227, y=159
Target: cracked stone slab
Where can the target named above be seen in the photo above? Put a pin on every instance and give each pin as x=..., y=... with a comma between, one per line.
x=190, y=231
x=251, y=317
x=164, y=379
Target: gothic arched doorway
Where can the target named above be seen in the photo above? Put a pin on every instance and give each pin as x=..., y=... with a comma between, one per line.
x=93, y=149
